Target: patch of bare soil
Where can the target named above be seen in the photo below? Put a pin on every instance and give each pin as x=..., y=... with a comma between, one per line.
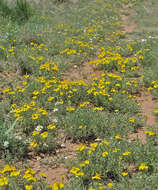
x=86, y=72
x=128, y=25
x=139, y=134
x=1, y=163
x=148, y=104
x=54, y=166
x=145, y=98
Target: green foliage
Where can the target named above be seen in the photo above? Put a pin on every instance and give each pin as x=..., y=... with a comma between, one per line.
x=110, y=161
x=98, y=102
x=88, y=124
x=20, y=13
x=4, y=8
x=12, y=141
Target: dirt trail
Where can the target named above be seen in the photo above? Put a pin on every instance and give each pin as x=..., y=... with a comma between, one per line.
x=148, y=105
x=86, y=72
x=129, y=26
x=54, y=166
x=145, y=98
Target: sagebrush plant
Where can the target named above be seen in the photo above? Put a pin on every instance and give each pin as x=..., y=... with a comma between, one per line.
x=11, y=140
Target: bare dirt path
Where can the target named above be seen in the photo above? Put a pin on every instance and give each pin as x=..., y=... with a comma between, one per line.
x=145, y=99
x=54, y=166
x=148, y=104
x=128, y=25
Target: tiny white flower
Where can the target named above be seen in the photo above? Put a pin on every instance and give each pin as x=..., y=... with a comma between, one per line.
x=38, y=157
x=98, y=140
x=6, y=143
x=63, y=145
x=45, y=144
x=57, y=103
x=39, y=128
x=55, y=120
x=18, y=137
x=55, y=109
x=143, y=40
x=27, y=141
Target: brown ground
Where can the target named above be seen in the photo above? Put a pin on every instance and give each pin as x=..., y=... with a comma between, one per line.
x=148, y=104
x=128, y=25
x=54, y=166
x=85, y=72
x=145, y=98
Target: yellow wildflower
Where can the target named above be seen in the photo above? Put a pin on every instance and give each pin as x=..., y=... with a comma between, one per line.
x=155, y=111
x=104, y=154
x=94, y=145
x=35, y=133
x=29, y=177
x=35, y=116
x=86, y=162
x=79, y=174
x=97, y=176
x=15, y=173
x=74, y=170
x=26, y=76
x=28, y=187
x=131, y=120
x=109, y=184
x=29, y=171
x=6, y=90
x=124, y=173
x=33, y=144
x=143, y=166
x=57, y=186
x=35, y=92
x=3, y=181
x=43, y=174
x=70, y=109
x=126, y=153
x=106, y=143
x=117, y=137
x=50, y=99
x=150, y=133
x=7, y=168
x=81, y=147
x=44, y=135
x=51, y=127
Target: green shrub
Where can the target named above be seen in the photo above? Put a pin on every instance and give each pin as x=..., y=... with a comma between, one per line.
x=20, y=13
x=11, y=141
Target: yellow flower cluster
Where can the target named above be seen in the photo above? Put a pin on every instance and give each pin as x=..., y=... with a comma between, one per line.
x=9, y=173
